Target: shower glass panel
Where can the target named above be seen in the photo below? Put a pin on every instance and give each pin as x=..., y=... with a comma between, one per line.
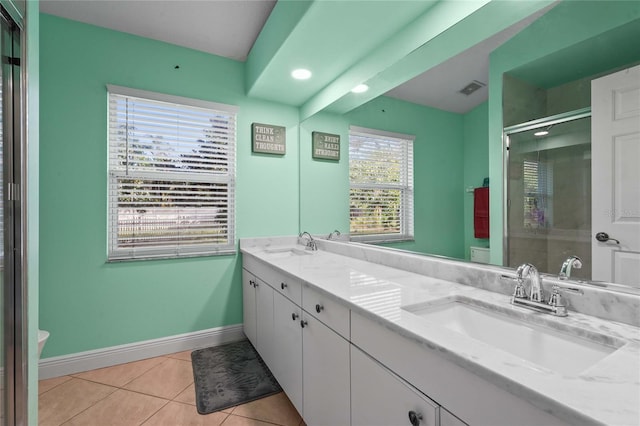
x=549, y=194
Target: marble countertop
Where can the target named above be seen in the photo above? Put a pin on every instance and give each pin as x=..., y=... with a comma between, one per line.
x=607, y=392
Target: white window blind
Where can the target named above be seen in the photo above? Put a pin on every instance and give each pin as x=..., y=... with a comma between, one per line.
x=381, y=185
x=171, y=176
x=538, y=194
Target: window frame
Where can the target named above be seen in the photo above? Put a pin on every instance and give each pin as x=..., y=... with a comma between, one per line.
x=406, y=216
x=173, y=249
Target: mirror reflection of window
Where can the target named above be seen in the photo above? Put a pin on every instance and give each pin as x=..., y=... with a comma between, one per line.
x=380, y=185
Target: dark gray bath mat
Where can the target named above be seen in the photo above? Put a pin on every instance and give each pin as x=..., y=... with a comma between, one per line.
x=229, y=375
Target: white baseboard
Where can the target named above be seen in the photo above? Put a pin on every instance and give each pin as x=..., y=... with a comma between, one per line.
x=106, y=357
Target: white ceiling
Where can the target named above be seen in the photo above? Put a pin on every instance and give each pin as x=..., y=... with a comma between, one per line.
x=223, y=27
x=230, y=27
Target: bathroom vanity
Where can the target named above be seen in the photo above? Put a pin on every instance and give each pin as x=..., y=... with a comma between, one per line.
x=362, y=335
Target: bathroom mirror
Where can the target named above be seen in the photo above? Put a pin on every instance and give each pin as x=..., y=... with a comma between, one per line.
x=582, y=47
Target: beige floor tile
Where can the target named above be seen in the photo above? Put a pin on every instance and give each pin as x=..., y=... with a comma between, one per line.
x=165, y=380
x=120, y=375
x=121, y=408
x=175, y=413
x=275, y=409
x=185, y=356
x=68, y=399
x=48, y=384
x=234, y=420
x=188, y=396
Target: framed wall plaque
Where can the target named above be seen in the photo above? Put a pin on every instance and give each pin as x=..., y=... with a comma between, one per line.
x=326, y=146
x=268, y=139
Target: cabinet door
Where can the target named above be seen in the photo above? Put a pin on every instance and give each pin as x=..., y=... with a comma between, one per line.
x=380, y=398
x=264, y=320
x=325, y=361
x=448, y=419
x=249, y=313
x=287, y=348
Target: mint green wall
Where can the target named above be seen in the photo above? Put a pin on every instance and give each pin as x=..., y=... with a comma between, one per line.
x=438, y=169
x=324, y=184
x=32, y=30
x=476, y=167
x=568, y=24
x=87, y=303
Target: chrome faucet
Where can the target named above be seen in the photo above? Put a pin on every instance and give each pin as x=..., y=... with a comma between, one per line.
x=311, y=245
x=334, y=232
x=535, y=299
x=535, y=288
x=565, y=270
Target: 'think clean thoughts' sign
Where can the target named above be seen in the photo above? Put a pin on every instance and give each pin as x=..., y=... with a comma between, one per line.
x=268, y=139
x=326, y=146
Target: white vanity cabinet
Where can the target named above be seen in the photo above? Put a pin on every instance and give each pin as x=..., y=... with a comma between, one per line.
x=448, y=419
x=287, y=343
x=249, y=312
x=308, y=358
x=341, y=368
x=257, y=299
x=380, y=398
x=325, y=358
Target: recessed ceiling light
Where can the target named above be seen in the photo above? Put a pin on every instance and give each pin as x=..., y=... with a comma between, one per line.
x=541, y=133
x=301, y=74
x=360, y=88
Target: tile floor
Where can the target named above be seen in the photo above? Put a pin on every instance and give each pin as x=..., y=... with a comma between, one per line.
x=152, y=392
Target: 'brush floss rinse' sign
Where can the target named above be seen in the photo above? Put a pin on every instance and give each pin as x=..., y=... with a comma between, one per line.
x=268, y=139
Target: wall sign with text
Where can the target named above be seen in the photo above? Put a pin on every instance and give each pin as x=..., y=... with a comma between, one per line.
x=268, y=139
x=326, y=146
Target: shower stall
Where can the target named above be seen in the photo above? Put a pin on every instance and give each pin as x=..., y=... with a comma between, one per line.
x=13, y=324
x=548, y=186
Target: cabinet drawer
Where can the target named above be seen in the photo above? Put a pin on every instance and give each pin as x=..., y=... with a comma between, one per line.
x=328, y=311
x=380, y=398
x=286, y=285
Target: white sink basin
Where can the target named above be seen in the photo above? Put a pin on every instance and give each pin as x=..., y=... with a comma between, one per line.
x=283, y=252
x=541, y=345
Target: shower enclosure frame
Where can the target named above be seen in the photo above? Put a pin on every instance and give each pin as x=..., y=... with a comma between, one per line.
x=14, y=147
x=506, y=143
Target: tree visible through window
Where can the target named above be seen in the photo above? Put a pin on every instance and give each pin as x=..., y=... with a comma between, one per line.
x=538, y=194
x=381, y=185
x=171, y=176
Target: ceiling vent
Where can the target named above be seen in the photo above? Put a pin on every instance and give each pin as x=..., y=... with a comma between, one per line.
x=471, y=87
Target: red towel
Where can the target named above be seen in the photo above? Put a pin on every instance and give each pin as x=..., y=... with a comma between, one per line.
x=481, y=212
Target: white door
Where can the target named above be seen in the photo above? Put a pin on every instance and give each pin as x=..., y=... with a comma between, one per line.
x=615, y=147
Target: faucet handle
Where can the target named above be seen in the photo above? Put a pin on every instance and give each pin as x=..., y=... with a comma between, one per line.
x=519, y=291
x=556, y=298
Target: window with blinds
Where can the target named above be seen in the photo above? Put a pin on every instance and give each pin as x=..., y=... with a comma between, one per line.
x=171, y=176
x=381, y=185
x=538, y=194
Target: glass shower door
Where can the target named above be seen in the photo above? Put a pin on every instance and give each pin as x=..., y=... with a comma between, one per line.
x=12, y=287
x=549, y=194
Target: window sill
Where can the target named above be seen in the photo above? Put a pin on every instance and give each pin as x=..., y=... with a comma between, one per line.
x=379, y=239
x=171, y=257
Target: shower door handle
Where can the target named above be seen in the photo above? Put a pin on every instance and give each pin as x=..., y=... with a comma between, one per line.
x=603, y=237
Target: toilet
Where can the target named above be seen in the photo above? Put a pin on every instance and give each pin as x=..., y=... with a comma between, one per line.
x=42, y=339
